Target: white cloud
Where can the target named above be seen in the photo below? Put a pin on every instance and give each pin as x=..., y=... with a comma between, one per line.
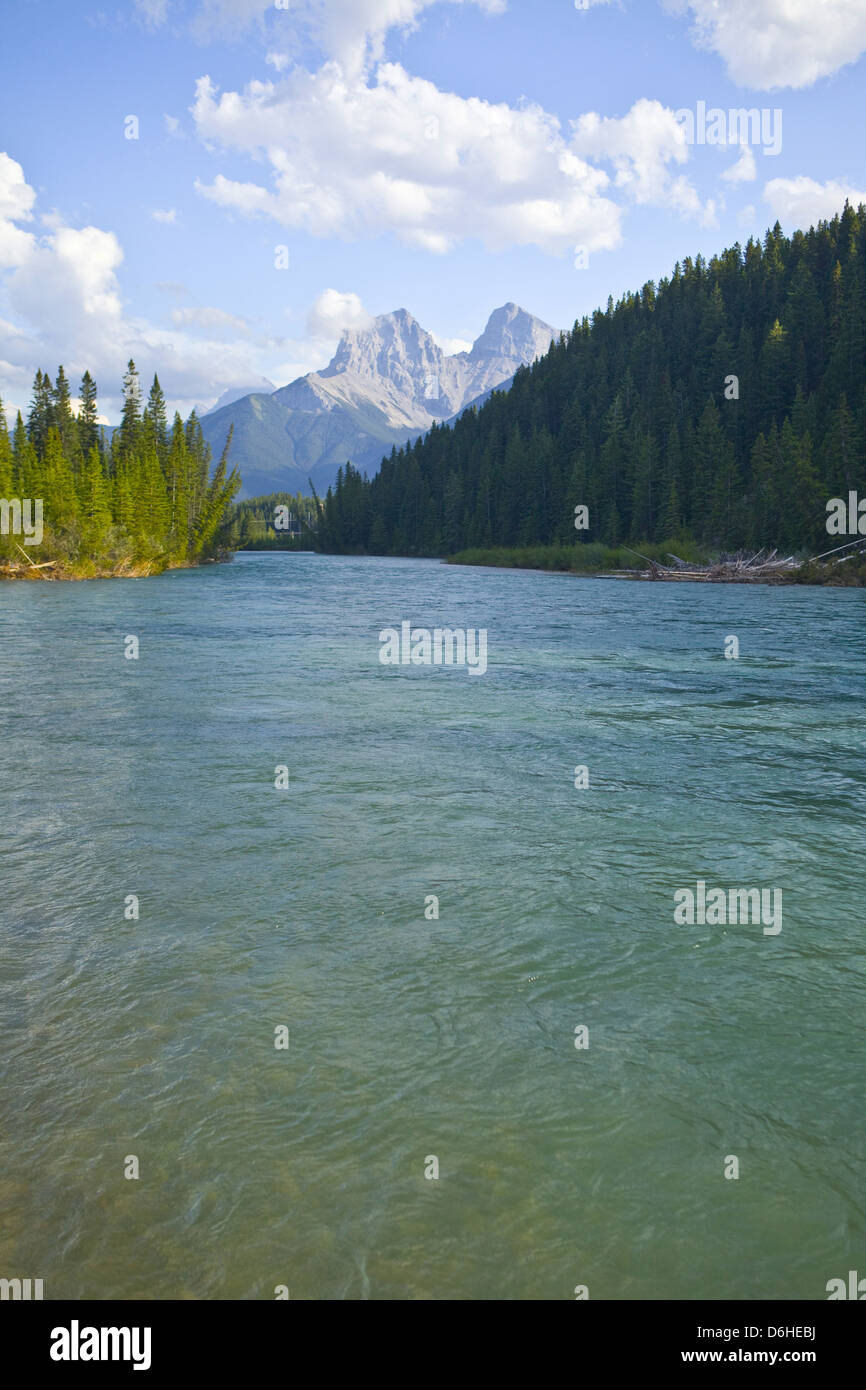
x=351, y=31
x=16, y=195
x=764, y=43
x=778, y=43
x=801, y=202
x=642, y=145
x=172, y=125
x=245, y=198
x=278, y=60
x=745, y=169
x=67, y=290
x=352, y=158
x=355, y=158
x=451, y=346
x=333, y=311
x=61, y=301
x=16, y=245
x=16, y=201
x=164, y=215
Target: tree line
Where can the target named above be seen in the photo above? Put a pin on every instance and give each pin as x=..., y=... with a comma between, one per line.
x=144, y=498
x=725, y=405
x=278, y=521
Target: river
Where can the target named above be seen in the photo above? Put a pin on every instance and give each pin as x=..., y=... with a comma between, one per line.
x=566, y=1160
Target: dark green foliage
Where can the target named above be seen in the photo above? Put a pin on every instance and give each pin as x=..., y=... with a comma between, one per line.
x=629, y=415
x=576, y=559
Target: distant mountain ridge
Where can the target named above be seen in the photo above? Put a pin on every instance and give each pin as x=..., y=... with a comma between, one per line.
x=386, y=383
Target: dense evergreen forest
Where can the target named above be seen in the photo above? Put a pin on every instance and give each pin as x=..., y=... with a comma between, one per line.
x=278, y=521
x=143, y=503
x=635, y=415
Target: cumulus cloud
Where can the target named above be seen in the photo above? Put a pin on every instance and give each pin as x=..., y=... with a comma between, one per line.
x=16, y=202
x=353, y=31
x=61, y=301
x=69, y=277
x=801, y=202
x=164, y=214
x=335, y=310
x=16, y=195
x=778, y=43
x=451, y=346
x=642, y=145
x=764, y=43
x=353, y=158
x=350, y=31
x=245, y=198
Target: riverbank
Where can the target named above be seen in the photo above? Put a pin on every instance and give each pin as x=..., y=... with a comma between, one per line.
x=90, y=569
x=607, y=562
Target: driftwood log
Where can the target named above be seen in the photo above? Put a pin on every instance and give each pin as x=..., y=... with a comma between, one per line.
x=743, y=567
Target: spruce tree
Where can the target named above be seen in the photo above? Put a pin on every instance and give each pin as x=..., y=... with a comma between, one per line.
x=130, y=423
x=62, y=414
x=88, y=427
x=41, y=416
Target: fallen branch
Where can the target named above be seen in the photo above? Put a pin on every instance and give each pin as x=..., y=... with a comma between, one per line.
x=32, y=563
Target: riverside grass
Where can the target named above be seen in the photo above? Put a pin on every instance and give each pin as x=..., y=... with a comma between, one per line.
x=593, y=558
x=589, y=557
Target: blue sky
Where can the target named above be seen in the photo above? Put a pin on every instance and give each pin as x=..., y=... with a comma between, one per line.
x=439, y=155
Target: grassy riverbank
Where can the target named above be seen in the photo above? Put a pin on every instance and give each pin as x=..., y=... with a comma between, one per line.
x=587, y=558
x=601, y=560
x=55, y=558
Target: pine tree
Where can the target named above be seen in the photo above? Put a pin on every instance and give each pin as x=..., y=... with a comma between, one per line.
x=156, y=419
x=178, y=491
x=62, y=413
x=41, y=416
x=130, y=423
x=88, y=415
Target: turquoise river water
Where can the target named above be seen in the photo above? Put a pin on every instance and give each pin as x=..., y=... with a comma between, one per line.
x=412, y=1037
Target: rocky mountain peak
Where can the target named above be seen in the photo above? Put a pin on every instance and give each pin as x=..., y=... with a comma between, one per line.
x=512, y=332
x=386, y=382
x=394, y=346
x=395, y=349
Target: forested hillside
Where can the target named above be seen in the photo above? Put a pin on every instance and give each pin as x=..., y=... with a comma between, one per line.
x=144, y=503
x=635, y=416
